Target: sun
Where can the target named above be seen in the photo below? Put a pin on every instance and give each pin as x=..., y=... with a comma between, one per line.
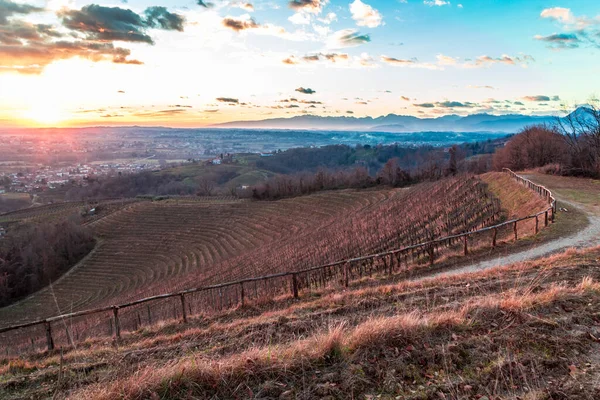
x=46, y=114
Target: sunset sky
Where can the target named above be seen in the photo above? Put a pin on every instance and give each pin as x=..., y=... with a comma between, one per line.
x=196, y=63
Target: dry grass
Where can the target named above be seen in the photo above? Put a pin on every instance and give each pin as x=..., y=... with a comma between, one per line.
x=339, y=342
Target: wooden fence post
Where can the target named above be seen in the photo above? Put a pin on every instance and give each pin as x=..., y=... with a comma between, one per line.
x=183, y=310
x=49, y=340
x=149, y=315
x=294, y=286
x=242, y=294
x=117, y=323
x=346, y=274
x=466, y=249
x=515, y=229
x=494, y=237
x=431, y=252
x=546, y=218
x=537, y=225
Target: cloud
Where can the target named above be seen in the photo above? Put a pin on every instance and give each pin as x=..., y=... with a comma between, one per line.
x=329, y=18
x=291, y=61
x=230, y=100
x=310, y=6
x=310, y=58
x=106, y=23
x=447, y=104
x=312, y=102
x=446, y=60
x=119, y=24
x=455, y=104
x=365, y=15
x=9, y=8
x=484, y=61
x=560, y=14
x=411, y=63
x=244, y=6
x=432, y=3
x=305, y=90
x=204, y=4
x=240, y=24
x=540, y=98
x=347, y=38
x=481, y=87
x=335, y=57
x=313, y=58
x=396, y=61
x=16, y=32
x=300, y=18
x=159, y=17
x=576, y=30
x=425, y=105
x=33, y=57
x=88, y=33
x=561, y=40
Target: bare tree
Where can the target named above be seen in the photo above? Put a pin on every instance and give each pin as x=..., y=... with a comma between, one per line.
x=206, y=186
x=582, y=131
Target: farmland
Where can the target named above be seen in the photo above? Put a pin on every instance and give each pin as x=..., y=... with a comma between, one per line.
x=147, y=248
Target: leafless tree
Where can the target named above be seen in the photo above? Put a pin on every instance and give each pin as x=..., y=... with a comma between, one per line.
x=582, y=131
x=206, y=186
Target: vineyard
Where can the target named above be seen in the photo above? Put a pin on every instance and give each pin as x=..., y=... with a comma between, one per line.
x=64, y=210
x=150, y=248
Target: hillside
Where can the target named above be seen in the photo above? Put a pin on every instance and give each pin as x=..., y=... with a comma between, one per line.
x=322, y=333
x=527, y=331
x=147, y=248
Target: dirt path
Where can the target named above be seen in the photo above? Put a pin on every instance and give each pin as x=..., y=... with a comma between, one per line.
x=587, y=237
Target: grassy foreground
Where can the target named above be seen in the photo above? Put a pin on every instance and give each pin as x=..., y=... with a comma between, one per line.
x=527, y=331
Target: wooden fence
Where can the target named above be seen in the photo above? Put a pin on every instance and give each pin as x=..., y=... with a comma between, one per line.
x=116, y=319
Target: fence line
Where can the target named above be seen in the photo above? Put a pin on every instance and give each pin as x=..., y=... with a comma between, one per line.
x=238, y=292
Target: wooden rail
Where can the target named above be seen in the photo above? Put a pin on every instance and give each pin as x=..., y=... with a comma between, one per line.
x=343, y=270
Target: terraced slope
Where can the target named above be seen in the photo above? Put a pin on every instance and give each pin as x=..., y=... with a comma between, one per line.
x=155, y=247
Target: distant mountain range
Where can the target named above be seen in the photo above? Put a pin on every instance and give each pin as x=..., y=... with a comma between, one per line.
x=400, y=123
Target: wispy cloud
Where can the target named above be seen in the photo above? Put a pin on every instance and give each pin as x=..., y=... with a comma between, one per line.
x=576, y=30
x=541, y=98
x=432, y=3
x=228, y=100
x=347, y=38
x=485, y=60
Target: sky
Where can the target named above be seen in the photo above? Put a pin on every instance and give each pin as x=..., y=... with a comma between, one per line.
x=194, y=63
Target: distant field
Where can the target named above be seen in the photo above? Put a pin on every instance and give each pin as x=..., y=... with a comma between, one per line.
x=148, y=248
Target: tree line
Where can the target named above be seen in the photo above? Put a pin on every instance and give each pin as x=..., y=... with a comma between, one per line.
x=440, y=163
x=569, y=147
x=33, y=256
